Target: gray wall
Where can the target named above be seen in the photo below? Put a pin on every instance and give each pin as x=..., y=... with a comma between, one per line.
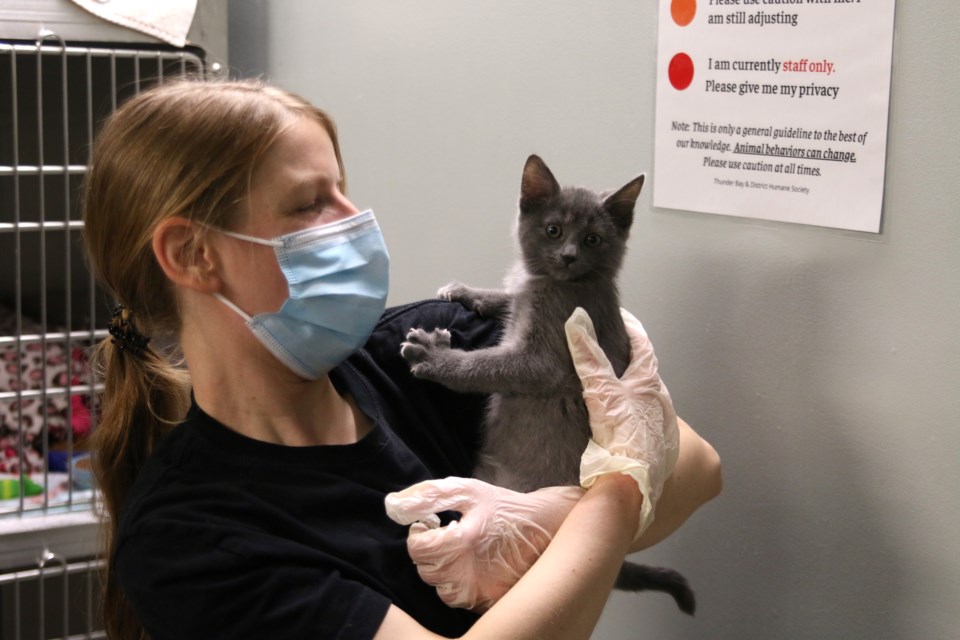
x=822, y=364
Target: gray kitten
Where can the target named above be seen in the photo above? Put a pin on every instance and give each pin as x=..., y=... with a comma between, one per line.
x=572, y=243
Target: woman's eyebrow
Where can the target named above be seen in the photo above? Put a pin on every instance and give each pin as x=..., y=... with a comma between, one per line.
x=313, y=179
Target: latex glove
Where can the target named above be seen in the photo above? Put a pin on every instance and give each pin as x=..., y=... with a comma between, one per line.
x=632, y=419
x=472, y=562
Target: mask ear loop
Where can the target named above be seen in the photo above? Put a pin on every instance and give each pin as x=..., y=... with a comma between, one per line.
x=254, y=239
x=240, y=312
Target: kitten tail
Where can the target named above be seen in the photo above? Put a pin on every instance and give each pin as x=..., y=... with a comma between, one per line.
x=638, y=577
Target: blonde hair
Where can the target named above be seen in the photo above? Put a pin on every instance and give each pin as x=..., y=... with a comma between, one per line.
x=186, y=148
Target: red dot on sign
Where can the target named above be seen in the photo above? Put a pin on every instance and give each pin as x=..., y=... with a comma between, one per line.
x=683, y=11
x=680, y=71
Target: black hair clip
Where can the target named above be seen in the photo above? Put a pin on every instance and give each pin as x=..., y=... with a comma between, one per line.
x=125, y=336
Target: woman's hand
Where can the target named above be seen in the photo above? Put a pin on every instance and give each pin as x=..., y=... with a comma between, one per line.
x=474, y=561
x=632, y=419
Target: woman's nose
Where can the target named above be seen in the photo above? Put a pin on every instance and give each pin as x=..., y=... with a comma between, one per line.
x=344, y=207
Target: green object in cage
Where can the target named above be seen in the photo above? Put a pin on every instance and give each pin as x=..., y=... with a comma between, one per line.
x=11, y=488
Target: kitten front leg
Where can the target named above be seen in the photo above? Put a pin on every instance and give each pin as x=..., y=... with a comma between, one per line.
x=499, y=369
x=492, y=303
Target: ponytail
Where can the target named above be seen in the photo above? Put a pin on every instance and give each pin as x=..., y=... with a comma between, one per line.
x=144, y=396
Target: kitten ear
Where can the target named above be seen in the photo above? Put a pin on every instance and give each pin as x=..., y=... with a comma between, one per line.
x=621, y=203
x=538, y=184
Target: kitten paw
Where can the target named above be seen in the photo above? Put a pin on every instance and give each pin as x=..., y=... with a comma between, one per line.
x=422, y=349
x=468, y=297
x=452, y=291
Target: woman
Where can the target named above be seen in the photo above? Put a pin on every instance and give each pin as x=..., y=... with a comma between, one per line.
x=245, y=485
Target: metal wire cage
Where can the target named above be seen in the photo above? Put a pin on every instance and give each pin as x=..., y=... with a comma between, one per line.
x=53, y=95
x=51, y=311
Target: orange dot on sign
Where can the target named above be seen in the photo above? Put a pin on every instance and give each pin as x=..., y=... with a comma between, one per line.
x=683, y=11
x=680, y=71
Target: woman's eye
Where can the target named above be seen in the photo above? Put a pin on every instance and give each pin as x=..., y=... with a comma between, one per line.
x=554, y=231
x=592, y=240
x=316, y=205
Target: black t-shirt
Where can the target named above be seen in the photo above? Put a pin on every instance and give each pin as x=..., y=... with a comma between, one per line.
x=224, y=536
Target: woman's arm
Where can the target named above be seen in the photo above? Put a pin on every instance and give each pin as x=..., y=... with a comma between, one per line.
x=696, y=479
x=563, y=594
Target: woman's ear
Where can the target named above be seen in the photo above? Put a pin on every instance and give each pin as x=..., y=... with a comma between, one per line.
x=186, y=254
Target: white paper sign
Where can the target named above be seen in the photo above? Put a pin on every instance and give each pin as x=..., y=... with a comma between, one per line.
x=774, y=109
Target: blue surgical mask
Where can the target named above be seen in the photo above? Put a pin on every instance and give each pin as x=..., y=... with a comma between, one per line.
x=338, y=278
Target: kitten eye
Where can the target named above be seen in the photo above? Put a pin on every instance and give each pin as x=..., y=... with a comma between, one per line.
x=592, y=240
x=554, y=231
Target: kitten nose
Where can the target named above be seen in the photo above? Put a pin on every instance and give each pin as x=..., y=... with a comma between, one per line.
x=569, y=255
